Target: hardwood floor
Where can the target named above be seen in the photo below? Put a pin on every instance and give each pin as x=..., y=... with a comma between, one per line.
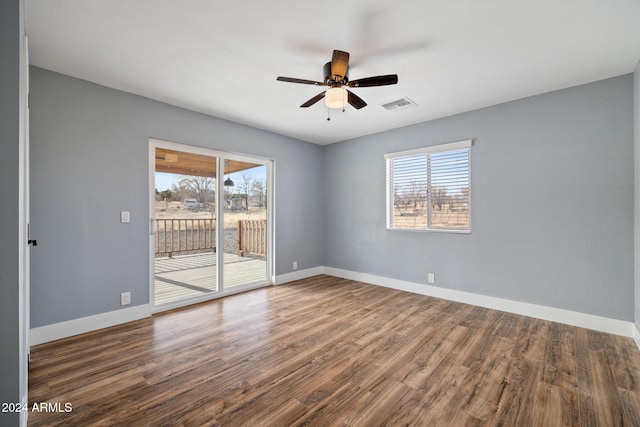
x=326, y=351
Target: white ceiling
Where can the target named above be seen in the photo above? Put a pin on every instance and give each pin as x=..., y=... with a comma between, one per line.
x=222, y=57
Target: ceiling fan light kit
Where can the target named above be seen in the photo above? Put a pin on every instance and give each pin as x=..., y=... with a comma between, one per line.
x=336, y=97
x=336, y=76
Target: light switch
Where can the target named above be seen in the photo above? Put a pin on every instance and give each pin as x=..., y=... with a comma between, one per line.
x=125, y=216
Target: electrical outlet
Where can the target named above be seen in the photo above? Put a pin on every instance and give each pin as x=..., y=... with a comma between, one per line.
x=295, y=265
x=431, y=278
x=125, y=216
x=125, y=298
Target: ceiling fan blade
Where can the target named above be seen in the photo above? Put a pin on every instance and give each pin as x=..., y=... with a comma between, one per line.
x=389, y=79
x=339, y=65
x=355, y=100
x=302, y=81
x=313, y=100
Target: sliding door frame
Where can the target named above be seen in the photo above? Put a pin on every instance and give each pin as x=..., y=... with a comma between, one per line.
x=220, y=156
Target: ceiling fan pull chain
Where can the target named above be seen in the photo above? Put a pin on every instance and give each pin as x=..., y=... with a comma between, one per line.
x=328, y=113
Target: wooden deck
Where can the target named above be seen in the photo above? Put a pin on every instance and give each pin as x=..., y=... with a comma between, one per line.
x=187, y=276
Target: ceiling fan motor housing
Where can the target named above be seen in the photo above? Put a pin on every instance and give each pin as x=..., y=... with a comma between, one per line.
x=328, y=77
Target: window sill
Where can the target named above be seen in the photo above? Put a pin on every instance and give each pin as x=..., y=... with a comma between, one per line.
x=433, y=230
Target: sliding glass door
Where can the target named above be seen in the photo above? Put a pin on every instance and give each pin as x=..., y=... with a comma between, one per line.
x=210, y=223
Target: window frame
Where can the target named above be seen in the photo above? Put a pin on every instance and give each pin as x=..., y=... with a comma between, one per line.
x=432, y=149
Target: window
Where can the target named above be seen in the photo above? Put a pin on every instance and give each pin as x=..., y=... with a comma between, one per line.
x=429, y=188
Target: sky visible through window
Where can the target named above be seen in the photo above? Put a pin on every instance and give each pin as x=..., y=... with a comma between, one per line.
x=449, y=171
x=164, y=181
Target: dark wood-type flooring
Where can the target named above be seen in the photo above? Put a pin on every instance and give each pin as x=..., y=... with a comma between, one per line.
x=326, y=351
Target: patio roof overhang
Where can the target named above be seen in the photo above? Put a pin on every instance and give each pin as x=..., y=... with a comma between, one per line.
x=182, y=163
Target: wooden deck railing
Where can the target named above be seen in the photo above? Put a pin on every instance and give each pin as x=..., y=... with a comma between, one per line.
x=252, y=237
x=184, y=235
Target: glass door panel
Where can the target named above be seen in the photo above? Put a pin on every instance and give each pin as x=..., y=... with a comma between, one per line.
x=245, y=224
x=184, y=227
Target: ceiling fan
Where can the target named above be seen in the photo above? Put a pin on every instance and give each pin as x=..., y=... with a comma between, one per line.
x=336, y=77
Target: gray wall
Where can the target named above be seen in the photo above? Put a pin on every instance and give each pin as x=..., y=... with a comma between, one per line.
x=552, y=198
x=636, y=118
x=9, y=214
x=552, y=203
x=89, y=161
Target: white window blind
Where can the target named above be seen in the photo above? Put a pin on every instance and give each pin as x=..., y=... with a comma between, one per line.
x=429, y=188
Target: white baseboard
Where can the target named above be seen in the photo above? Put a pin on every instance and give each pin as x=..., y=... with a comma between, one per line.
x=87, y=324
x=297, y=275
x=573, y=318
x=636, y=335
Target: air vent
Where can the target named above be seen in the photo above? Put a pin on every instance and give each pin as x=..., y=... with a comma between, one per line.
x=399, y=104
